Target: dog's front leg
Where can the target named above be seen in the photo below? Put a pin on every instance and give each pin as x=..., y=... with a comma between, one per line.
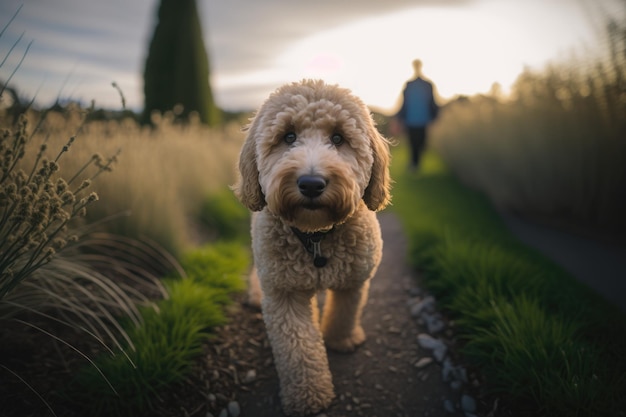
x=305, y=381
x=341, y=321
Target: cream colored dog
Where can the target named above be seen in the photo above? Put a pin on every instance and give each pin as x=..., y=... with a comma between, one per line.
x=315, y=169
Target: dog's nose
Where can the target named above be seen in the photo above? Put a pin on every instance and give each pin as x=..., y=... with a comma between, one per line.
x=311, y=185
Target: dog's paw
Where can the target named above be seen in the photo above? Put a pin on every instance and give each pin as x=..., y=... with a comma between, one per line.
x=347, y=344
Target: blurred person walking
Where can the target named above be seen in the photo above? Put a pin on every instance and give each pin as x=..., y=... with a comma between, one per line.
x=418, y=110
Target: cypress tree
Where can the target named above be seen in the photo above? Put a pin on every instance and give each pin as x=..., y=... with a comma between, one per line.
x=177, y=66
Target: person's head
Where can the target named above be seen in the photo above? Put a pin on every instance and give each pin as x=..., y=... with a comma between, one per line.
x=417, y=66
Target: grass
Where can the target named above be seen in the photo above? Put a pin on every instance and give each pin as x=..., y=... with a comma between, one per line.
x=164, y=346
x=540, y=338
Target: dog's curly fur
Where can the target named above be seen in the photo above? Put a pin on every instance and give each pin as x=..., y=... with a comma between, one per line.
x=294, y=134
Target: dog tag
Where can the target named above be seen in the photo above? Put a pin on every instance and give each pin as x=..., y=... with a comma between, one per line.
x=319, y=261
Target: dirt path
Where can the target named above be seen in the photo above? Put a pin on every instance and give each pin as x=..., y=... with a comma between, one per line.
x=381, y=378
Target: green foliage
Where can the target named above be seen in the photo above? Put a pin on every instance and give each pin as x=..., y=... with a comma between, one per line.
x=538, y=336
x=176, y=74
x=169, y=338
x=224, y=215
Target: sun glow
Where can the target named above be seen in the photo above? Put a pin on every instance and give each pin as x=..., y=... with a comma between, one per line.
x=464, y=52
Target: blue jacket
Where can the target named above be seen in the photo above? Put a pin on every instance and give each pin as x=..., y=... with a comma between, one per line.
x=418, y=104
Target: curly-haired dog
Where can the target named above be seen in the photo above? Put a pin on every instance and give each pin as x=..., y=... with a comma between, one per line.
x=315, y=169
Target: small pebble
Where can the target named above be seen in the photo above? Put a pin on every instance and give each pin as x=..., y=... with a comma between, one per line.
x=412, y=301
x=250, y=376
x=427, y=341
x=462, y=372
x=456, y=385
x=447, y=370
x=440, y=353
x=449, y=406
x=233, y=409
x=468, y=404
x=427, y=304
x=434, y=323
x=424, y=362
x=415, y=291
x=223, y=413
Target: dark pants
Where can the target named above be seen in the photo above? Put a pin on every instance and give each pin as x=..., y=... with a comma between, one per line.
x=417, y=140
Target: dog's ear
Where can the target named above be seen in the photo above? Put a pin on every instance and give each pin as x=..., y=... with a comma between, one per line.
x=378, y=192
x=247, y=189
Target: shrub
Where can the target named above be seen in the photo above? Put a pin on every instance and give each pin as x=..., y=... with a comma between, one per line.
x=225, y=216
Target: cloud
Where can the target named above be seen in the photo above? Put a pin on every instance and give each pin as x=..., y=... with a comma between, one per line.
x=90, y=43
x=255, y=45
x=245, y=34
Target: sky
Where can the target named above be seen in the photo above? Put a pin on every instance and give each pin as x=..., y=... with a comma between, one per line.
x=79, y=47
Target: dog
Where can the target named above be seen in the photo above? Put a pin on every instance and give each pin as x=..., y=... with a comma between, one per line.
x=314, y=170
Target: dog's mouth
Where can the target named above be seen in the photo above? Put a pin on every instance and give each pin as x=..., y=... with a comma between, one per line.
x=311, y=205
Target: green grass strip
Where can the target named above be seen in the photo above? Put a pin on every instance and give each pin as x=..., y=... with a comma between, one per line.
x=539, y=336
x=169, y=339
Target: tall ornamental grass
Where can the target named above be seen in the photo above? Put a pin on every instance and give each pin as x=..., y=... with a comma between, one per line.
x=555, y=149
x=163, y=174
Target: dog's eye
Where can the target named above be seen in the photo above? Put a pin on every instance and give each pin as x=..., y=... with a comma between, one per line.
x=289, y=138
x=336, y=139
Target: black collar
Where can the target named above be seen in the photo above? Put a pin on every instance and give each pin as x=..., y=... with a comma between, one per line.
x=311, y=242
